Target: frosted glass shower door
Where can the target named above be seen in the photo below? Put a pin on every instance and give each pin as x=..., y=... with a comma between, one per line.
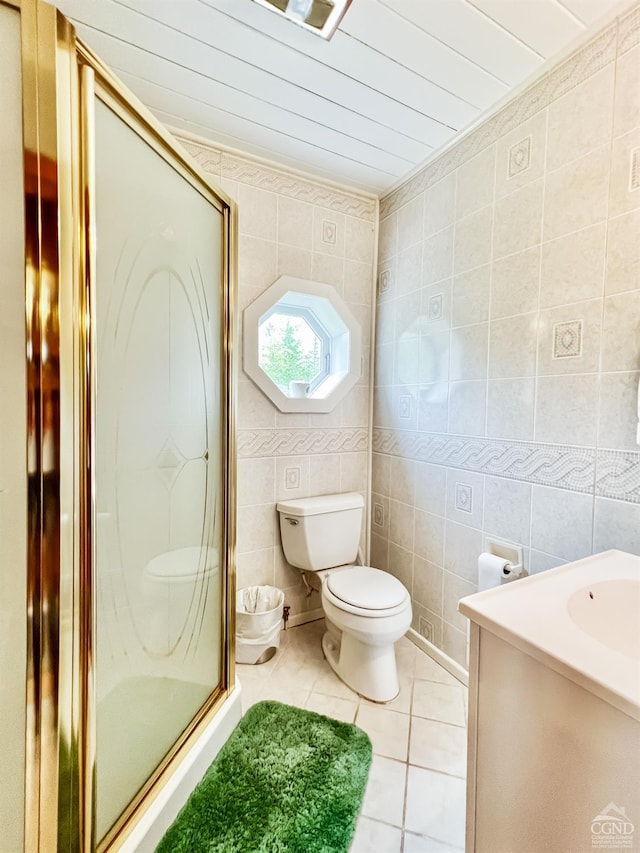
x=158, y=457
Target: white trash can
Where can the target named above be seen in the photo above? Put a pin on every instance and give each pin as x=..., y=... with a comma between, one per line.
x=258, y=622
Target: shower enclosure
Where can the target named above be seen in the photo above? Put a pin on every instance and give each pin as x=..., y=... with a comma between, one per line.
x=125, y=449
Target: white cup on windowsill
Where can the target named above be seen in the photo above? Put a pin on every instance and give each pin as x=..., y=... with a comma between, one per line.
x=298, y=389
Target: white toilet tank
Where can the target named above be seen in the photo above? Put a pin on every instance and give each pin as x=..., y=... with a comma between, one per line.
x=322, y=532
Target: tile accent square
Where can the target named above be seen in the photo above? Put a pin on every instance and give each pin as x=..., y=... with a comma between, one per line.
x=634, y=170
x=426, y=629
x=567, y=339
x=292, y=478
x=384, y=281
x=378, y=515
x=329, y=232
x=520, y=157
x=464, y=497
x=435, y=307
x=404, y=406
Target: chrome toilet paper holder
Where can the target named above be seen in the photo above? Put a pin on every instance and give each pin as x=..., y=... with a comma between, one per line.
x=510, y=552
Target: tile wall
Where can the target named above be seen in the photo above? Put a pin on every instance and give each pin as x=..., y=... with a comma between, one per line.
x=508, y=338
x=283, y=231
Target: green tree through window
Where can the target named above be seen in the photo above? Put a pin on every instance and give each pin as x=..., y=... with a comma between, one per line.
x=289, y=351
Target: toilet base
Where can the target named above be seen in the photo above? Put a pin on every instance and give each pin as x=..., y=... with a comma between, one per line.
x=368, y=670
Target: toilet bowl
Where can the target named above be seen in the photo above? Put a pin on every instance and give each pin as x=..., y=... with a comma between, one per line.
x=366, y=610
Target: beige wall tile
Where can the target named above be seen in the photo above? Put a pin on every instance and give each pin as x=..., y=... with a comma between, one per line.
x=256, y=481
x=409, y=270
x=576, y=194
x=428, y=584
x=359, y=240
x=470, y=296
x=295, y=222
x=324, y=473
x=621, y=332
x=401, y=564
x=626, y=115
x=256, y=267
x=431, y=487
x=475, y=181
x=618, y=419
x=401, y=524
x=566, y=408
x=433, y=407
x=467, y=407
x=507, y=509
x=429, y=537
x=353, y=472
x=472, y=245
x=561, y=522
x=256, y=568
x=388, y=237
x=513, y=346
x=358, y=282
x=521, y=154
x=402, y=479
x=329, y=269
x=616, y=525
x=454, y=644
x=256, y=527
x=456, y=588
x=410, y=218
x=462, y=549
x=257, y=212
x=437, y=257
x=572, y=267
x=294, y=261
x=380, y=473
x=468, y=357
x=623, y=253
x=518, y=220
x=433, y=358
x=514, y=283
x=622, y=196
x=254, y=409
x=510, y=408
x=439, y=205
x=580, y=121
x=380, y=511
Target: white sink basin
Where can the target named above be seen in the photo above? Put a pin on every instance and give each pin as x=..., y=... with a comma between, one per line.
x=581, y=620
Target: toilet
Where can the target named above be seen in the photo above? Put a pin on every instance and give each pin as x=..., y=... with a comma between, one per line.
x=366, y=610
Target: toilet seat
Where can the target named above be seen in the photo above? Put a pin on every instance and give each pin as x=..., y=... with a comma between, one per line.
x=365, y=591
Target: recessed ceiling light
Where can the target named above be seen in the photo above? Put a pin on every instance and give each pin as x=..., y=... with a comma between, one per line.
x=321, y=17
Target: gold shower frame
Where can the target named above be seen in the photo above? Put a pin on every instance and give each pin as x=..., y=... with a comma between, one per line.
x=60, y=77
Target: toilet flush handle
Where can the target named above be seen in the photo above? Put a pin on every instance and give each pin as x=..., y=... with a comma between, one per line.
x=293, y=521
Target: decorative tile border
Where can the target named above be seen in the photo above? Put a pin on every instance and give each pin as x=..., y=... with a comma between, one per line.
x=236, y=168
x=629, y=31
x=254, y=443
x=564, y=467
x=618, y=475
x=582, y=64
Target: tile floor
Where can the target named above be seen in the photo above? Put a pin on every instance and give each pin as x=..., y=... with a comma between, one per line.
x=415, y=799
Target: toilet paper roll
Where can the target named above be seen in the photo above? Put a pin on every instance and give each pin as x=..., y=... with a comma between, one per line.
x=490, y=570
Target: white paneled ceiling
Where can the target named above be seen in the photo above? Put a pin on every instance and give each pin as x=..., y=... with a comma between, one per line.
x=395, y=83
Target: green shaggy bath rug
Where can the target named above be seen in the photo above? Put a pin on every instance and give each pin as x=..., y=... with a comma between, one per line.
x=286, y=781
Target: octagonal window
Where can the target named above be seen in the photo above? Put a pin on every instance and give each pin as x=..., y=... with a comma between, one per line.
x=301, y=345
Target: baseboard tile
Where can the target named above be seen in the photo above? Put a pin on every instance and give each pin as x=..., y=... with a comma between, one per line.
x=307, y=616
x=439, y=656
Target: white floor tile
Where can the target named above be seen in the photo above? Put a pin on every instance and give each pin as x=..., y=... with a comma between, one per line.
x=333, y=706
x=329, y=683
x=438, y=746
x=371, y=836
x=388, y=730
x=427, y=668
x=384, y=797
x=444, y=702
x=435, y=806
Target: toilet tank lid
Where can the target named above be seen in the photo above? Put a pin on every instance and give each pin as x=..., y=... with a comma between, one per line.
x=321, y=504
